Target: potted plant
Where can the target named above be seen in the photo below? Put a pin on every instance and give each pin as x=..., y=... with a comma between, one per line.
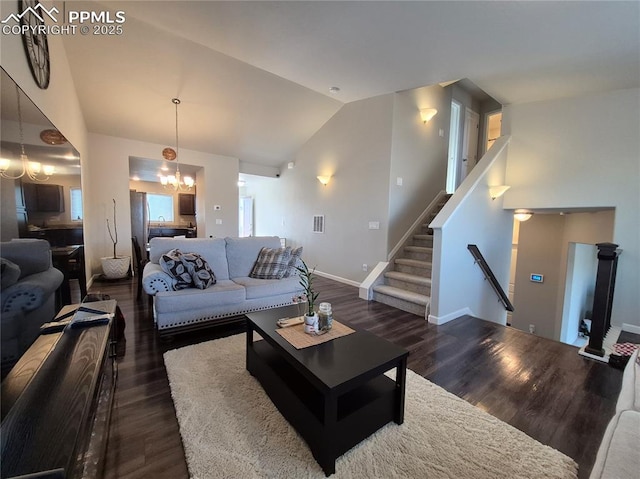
x=306, y=281
x=115, y=267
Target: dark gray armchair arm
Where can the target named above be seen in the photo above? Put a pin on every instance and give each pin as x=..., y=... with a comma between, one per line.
x=31, y=292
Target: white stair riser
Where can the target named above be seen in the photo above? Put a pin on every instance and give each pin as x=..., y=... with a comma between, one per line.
x=408, y=286
x=424, y=243
x=407, y=306
x=403, y=268
x=418, y=255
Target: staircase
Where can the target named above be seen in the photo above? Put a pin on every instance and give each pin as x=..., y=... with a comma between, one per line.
x=407, y=284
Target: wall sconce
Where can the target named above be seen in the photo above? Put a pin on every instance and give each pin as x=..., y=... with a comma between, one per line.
x=497, y=191
x=522, y=215
x=427, y=113
x=324, y=180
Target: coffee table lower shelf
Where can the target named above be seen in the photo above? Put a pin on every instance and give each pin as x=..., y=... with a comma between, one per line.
x=330, y=425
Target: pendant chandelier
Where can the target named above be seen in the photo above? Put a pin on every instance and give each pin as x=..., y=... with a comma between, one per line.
x=175, y=181
x=33, y=169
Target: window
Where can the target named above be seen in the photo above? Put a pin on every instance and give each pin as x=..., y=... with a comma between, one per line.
x=160, y=207
x=76, y=204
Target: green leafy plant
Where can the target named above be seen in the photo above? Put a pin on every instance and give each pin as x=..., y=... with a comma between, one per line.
x=306, y=281
x=114, y=235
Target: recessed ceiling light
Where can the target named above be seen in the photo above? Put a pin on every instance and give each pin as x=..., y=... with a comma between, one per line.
x=334, y=89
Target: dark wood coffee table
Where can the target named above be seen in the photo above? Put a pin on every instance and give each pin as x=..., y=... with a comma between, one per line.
x=334, y=394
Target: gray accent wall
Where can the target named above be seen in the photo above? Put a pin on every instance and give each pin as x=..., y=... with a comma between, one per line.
x=365, y=148
x=418, y=156
x=354, y=148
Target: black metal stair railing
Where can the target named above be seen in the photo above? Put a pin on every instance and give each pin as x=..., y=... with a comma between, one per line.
x=489, y=276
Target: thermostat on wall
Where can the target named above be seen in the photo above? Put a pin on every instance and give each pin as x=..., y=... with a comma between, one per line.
x=536, y=278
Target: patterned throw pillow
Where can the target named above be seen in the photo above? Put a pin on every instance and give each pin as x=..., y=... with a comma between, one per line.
x=272, y=263
x=199, y=269
x=172, y=265
x=294, y=261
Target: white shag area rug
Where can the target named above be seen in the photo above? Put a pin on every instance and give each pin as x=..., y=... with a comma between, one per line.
x=231, y=429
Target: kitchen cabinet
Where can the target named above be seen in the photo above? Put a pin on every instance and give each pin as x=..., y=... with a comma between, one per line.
x=187, y=204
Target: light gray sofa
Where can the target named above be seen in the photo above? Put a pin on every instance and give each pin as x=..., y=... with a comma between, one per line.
x=29, y=283
x=234, y=293
x=619, y=453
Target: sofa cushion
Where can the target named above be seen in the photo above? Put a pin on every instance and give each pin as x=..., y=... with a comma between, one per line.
x=618, y=453
x=261, y=288
x=199, y=269
x=242, y=253
x=9, y=273
x=32, y=255
x=629, y=397
x=211, y=249
x=221, y=293
x=294, y=262
x=171, y=263
x=272, y=263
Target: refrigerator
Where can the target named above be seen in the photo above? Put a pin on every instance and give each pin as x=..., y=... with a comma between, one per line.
x=139, y=218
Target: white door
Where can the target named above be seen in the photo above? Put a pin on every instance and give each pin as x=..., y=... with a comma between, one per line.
x=246, y=217
x=454, y=156
x=470, y=144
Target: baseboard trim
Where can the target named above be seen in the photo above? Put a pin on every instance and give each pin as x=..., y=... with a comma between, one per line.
x=607, y=345
x=631, y=328
x=338, y=278
x=91, y=279
x=450, y=317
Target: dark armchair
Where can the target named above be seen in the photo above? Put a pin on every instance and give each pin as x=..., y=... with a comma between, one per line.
x=27, y=295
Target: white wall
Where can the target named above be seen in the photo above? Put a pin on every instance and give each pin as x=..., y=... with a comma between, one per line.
x=354, y=148
x=587, y=228
x=582, y=264
x=418, y=156
x=110, y=156
x=585, y=152
x=472, y=217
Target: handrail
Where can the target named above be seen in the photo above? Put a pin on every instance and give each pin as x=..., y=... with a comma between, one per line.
x=488, y=274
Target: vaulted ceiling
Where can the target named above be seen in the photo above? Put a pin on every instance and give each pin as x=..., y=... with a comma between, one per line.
x=254, y=77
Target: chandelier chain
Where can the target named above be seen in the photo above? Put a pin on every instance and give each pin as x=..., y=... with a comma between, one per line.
x=176, y=182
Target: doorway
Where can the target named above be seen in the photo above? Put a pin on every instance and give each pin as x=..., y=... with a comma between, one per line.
x=582, y=265
x=454, y=140
x=470, y=144
x=245, y=216
x=492, y=128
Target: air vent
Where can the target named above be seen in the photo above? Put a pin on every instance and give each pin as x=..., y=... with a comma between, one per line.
x=318, y=223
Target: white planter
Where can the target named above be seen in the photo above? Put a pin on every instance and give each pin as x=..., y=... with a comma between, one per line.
x=311, y=324
x=115, y=268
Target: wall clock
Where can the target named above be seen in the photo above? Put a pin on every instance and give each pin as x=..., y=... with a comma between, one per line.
x=35, y=43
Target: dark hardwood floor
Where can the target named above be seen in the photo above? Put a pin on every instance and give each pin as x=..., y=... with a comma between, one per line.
x=541, y=387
